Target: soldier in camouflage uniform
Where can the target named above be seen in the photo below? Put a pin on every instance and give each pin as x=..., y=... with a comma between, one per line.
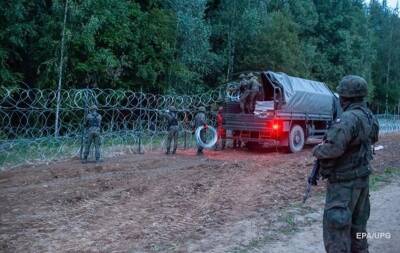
x=255, y=90
x=344, y=159
x=245, y=93
x=173, y=129
x=92, y=122
x=200, y=120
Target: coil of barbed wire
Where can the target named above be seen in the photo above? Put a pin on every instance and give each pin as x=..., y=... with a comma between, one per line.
x=27, y=120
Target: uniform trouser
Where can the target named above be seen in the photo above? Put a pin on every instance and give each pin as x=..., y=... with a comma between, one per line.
x=221, y=138
x=236, y=142
x=346, y=214
x=93, y=137
x=252, y=100
x=172, y=136
x=244, y=101
x=203, y=138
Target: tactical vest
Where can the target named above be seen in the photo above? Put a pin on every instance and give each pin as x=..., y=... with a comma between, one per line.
x=93, y=120
x=199, y=119
x=354, y=163
x=172, y=119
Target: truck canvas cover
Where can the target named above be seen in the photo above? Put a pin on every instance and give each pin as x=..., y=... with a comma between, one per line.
x=301, y=95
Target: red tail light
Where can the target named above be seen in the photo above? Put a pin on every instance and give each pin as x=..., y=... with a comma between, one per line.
x=274, y=128
x=276, y=125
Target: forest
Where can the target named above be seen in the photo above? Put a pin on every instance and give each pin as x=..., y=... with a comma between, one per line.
x=190, y=46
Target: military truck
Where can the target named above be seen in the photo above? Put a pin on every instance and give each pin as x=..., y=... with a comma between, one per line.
x=288, y=111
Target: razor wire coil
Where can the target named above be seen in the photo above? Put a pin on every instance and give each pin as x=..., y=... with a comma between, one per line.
x=131, y=120
x=27, y=121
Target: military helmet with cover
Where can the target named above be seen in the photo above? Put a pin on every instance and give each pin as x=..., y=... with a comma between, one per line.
x=251, y=75
x=93, y=108
x=172, y=108
x=242, y=76
x=202, y=109
x=352, y=86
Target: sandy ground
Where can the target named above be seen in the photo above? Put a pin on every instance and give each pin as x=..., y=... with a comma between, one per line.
x=231, y=201
x=385, y=218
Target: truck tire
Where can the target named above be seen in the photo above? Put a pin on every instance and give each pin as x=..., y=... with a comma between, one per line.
x=296, y=139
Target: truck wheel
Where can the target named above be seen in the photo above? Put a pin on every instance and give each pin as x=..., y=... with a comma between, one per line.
x=296, y=139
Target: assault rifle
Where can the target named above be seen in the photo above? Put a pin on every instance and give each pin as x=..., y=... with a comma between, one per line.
x=312, y=180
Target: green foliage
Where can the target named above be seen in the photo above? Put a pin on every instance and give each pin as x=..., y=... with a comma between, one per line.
x=278, y=47
x=188, y=46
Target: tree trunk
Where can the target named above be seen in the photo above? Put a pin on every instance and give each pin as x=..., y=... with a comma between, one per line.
x=56, y=127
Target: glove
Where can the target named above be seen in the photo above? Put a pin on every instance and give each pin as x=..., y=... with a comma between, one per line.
x=312, y=181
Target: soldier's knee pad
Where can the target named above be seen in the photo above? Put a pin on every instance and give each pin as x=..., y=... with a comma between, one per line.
x=337, y=215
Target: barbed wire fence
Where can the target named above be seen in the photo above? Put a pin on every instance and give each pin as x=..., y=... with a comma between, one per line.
x=131, y=123
x=389, y=123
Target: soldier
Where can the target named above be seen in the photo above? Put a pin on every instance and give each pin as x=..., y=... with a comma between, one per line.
x=255, y=90
x=173, y=129
x=92, y=122
x=220, y=130
x=344, y=158
x=245, y=93
x=237, y=143
x=200, y=120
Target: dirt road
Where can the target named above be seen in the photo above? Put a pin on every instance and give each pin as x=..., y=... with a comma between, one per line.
x=385, y=218
x=231, y=201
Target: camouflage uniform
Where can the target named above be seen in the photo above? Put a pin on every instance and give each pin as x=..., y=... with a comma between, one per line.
x=344, y=159
x=92, y=122
x=246, y=93
x=255, y=90
x=200, y=120
x=173, y=129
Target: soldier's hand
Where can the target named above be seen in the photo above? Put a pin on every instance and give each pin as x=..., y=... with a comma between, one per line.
x=312, y=181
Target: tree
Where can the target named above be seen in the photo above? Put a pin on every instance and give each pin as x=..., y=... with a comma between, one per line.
x=236, y=24
x=193, y=57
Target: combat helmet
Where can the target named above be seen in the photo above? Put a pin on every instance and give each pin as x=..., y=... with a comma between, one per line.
x=242, y=76
x=202, y=109
x=352, y=86
x=93, y=108
x=251, y=75
x=172, y=108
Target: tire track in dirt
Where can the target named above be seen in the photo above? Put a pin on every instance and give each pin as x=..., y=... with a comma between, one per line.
x=152, y=202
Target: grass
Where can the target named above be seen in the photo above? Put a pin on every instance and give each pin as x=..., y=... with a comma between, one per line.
x=23, y=151
x=378, y=180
